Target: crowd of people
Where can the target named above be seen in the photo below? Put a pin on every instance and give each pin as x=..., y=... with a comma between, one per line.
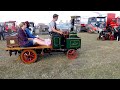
x=112, y=28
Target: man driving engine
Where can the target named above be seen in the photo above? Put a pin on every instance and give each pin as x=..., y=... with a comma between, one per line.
x=53, y=29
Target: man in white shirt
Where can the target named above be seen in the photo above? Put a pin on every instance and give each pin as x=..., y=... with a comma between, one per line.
x=52, y=26
x=54, y=31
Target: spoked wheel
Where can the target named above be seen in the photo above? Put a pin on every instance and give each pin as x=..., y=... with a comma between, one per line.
x=28, y=56
x=98, y=38
x=89, y=31
x=111, y=37
x=103, y=38
x=72, y=54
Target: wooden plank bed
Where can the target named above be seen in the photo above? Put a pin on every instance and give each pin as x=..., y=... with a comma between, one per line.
x=22, y=48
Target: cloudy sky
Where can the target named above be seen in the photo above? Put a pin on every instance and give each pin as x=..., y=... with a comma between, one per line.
x=46, y=16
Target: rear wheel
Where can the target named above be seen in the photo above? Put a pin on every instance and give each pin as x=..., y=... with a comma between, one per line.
x=28, y=56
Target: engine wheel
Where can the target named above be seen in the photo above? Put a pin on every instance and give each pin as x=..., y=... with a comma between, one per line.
x=28, y=56
x=111, y=37
x=103, y=38
x=98, y=38
x=72, y=54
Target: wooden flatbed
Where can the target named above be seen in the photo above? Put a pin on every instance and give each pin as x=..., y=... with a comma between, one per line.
x=22, y=48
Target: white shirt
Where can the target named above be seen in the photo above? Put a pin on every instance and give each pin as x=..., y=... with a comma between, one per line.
x=51, y=25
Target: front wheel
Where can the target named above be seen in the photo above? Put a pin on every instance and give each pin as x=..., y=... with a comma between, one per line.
x=103, y=38
x=72, y=54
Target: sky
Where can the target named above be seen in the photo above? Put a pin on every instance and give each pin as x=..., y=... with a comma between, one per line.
x=46, y=16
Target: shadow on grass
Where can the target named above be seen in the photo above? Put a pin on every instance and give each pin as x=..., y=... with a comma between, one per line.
x=48, y=56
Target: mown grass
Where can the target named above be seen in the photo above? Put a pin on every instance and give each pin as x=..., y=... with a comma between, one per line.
x=97, y=60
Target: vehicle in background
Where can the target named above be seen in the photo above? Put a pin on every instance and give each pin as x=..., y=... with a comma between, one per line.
x=10, y=26
x=83, y=27
x=32, y=27
x=94, y=23
x=110, y=32
x=64, y=26
x=41, y=28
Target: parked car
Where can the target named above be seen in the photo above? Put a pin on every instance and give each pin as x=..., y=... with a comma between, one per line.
x=64, y=26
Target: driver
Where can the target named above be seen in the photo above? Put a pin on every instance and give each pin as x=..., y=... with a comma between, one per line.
x=53, y=29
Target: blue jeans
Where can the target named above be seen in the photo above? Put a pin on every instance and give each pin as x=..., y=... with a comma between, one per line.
x=30, y=44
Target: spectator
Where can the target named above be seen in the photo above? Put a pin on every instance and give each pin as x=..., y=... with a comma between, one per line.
x=2, y=33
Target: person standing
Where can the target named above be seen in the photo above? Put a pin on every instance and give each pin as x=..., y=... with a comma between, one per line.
x=118, y=33
x=2, y=33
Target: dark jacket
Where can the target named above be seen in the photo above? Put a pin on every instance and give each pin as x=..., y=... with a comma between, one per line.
x=22, y=37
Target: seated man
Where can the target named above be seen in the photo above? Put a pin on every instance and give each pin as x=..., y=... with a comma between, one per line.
x=53, y=29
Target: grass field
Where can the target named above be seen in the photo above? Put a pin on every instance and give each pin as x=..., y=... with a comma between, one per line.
x=97, y=60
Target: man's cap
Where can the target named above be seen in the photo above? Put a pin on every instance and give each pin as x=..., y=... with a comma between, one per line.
x=55, y=15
